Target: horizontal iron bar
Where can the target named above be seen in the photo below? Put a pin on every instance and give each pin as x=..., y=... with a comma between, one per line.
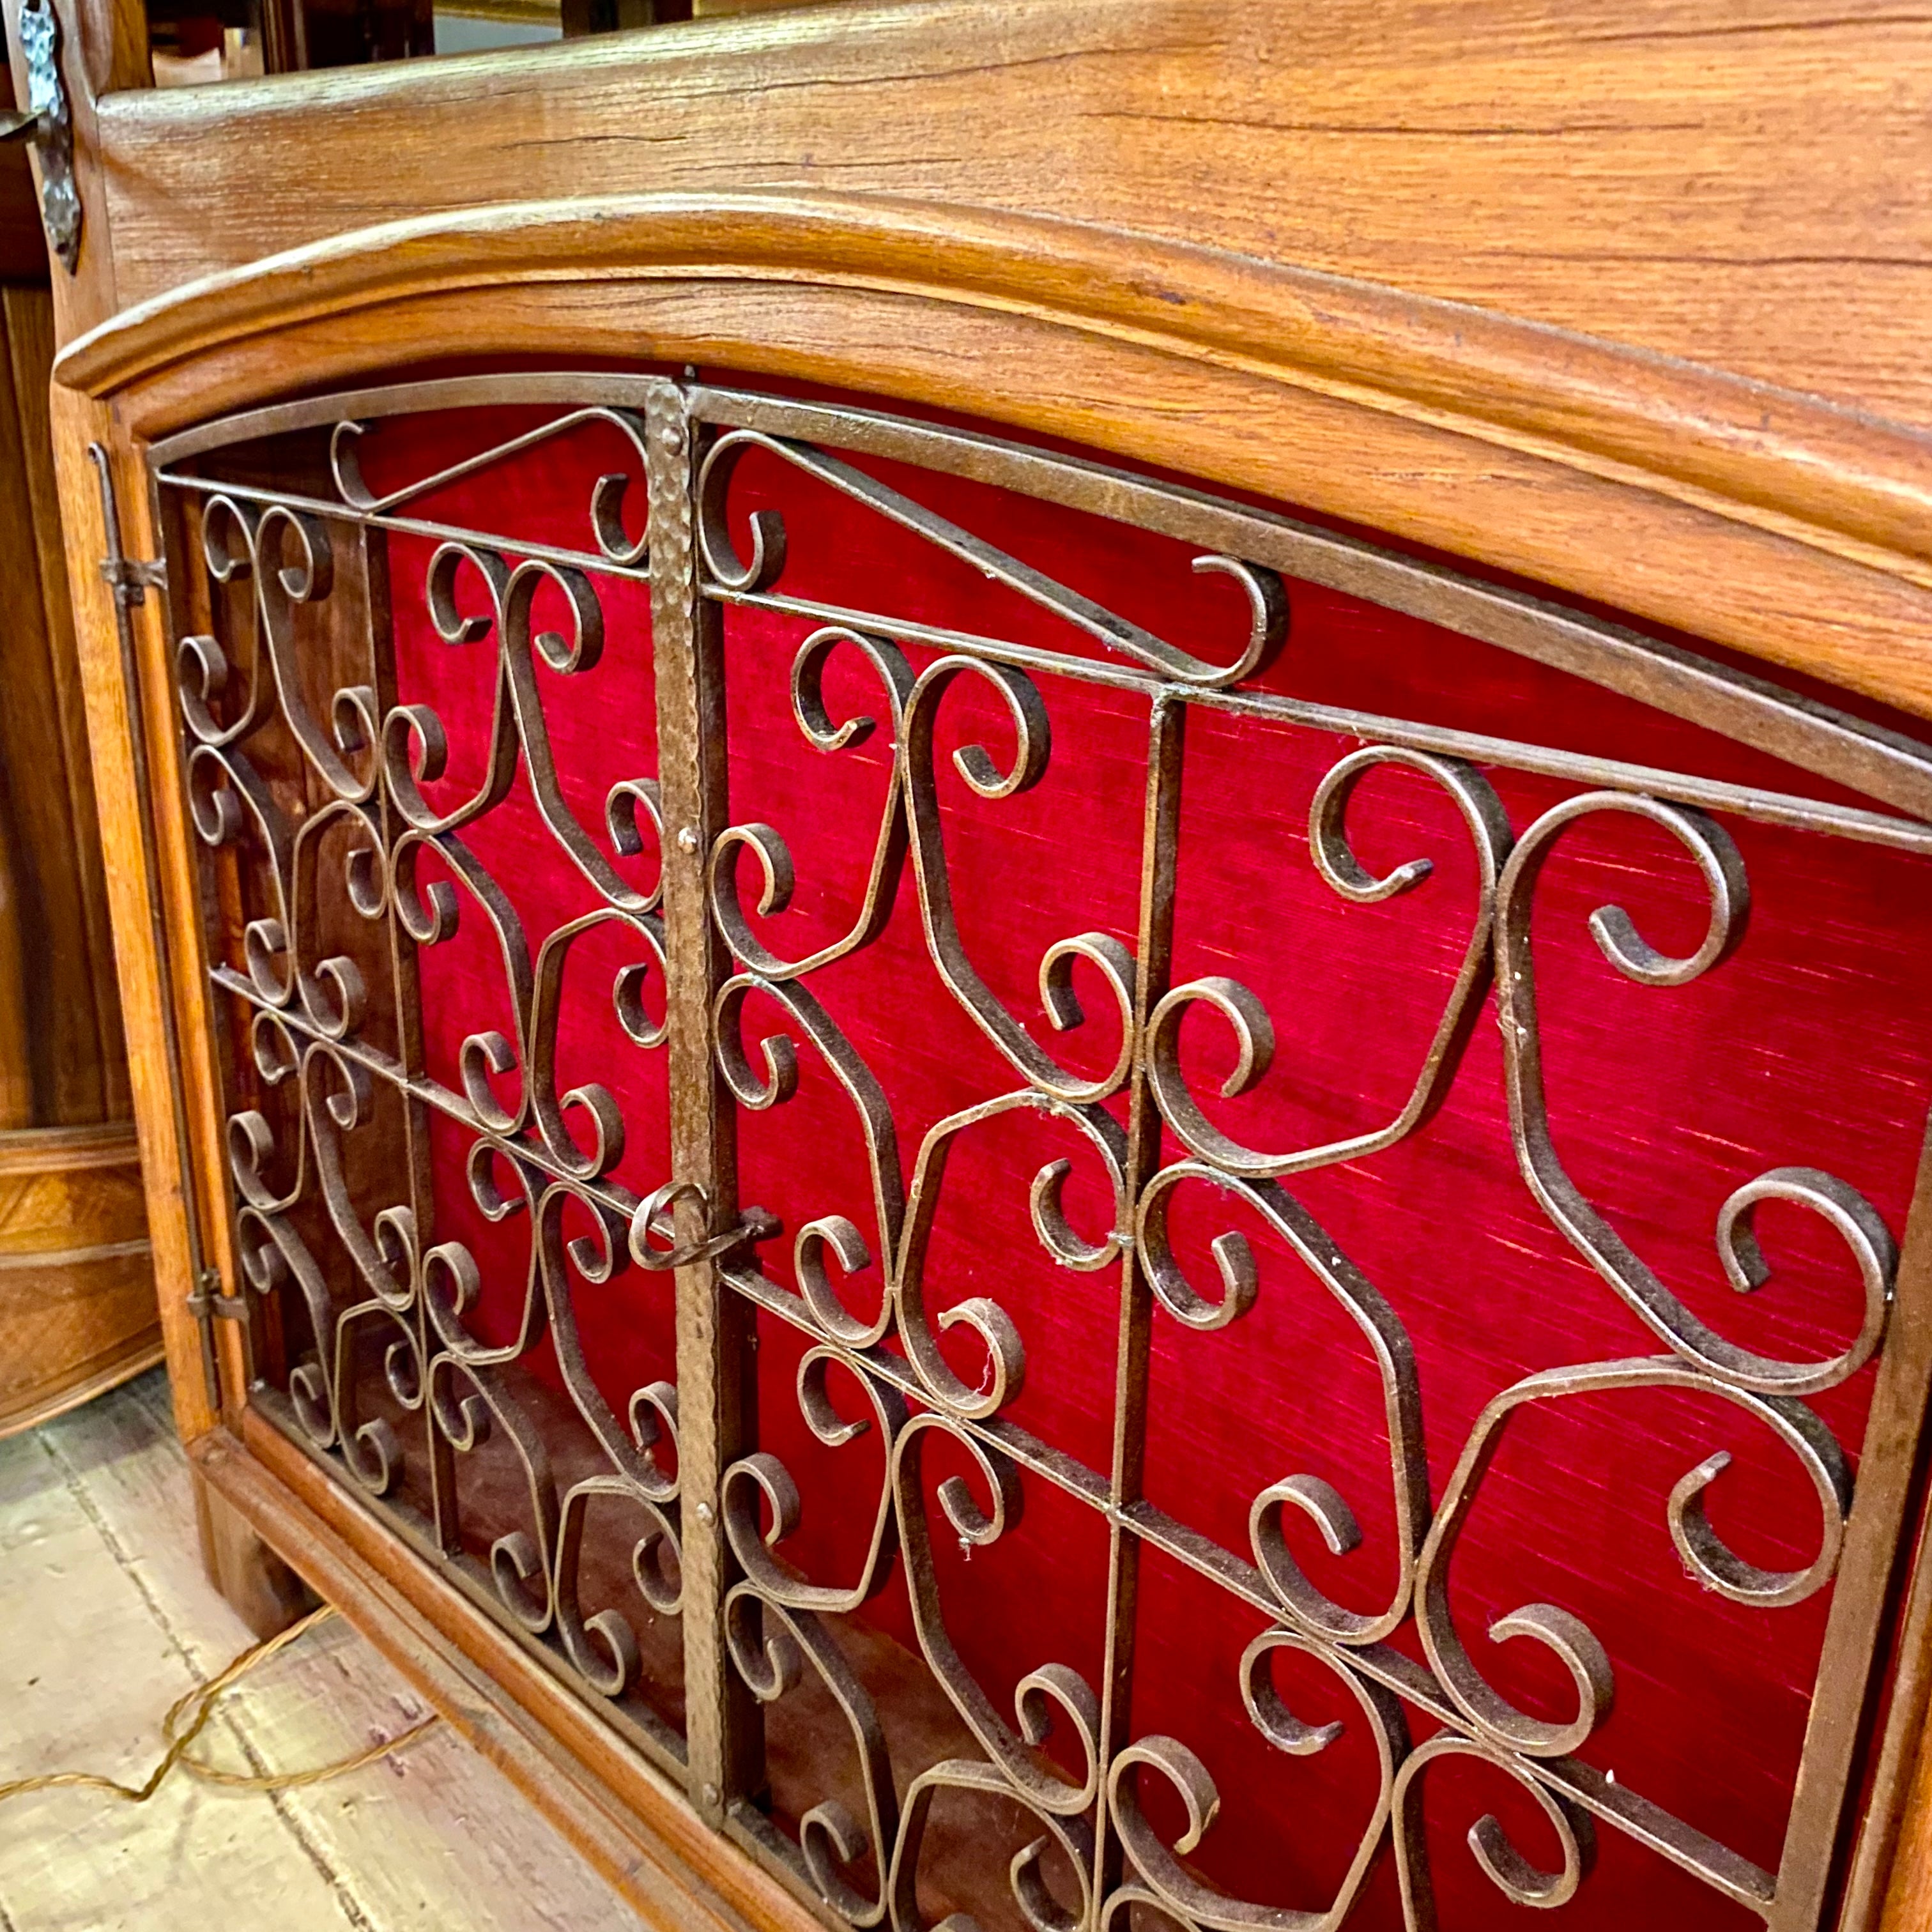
x=1869, y=758
x=409, y=526
x=1680, y=788
x=1818, y=737
x=431, y=1092
x=1770, y=808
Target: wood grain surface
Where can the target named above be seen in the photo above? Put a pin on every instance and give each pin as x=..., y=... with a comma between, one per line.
x=139, y=981
x=77, y=1295
x=1612, y=537
x=1656, y=174
x=75, y=1071
x=1837, y=478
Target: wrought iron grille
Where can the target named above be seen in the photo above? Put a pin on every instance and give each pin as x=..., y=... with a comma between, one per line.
x=641, y=1539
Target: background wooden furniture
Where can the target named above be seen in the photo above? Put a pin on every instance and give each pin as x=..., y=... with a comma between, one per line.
x=1609, y=303
x=77, y=1292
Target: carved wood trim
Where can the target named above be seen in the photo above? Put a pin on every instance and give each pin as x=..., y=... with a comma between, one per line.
x=1824, y=476
x=1604, y=470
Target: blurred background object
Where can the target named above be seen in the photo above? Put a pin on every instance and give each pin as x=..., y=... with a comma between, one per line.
x=77, y=1290
x=195, y=41
x=77, y=1298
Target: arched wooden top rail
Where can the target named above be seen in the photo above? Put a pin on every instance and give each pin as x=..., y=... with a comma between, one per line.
x=1777, y=523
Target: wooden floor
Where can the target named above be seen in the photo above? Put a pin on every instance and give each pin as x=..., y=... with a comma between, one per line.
x=106, y=1618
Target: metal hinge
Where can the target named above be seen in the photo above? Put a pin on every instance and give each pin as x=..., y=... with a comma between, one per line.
x=131, y=576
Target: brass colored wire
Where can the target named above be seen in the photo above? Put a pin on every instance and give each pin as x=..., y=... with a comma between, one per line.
x=196, y=1707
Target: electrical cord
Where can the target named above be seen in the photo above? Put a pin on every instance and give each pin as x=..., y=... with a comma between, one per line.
x=193, y=1711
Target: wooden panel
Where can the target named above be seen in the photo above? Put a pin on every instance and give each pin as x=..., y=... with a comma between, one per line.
x=1846, y=484
x=1741, y=191
x=43, y=754
x=16, y=1080
x=77, y=1296
x=81, y=954
x=97, y=662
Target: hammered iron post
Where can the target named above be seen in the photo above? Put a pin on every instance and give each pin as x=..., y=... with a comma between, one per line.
x=701, y=1503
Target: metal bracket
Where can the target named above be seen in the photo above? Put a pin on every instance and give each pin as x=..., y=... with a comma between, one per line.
x=653, y=1217
x=47, y=122
x=210, y=1300
x=130, y=577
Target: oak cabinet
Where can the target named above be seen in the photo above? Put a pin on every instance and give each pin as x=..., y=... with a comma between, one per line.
x=1037, y=1029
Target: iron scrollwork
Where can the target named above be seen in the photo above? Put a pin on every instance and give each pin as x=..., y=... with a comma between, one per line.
x=378, y=836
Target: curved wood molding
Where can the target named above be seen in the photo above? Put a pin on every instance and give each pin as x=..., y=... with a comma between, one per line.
x=1855, y=487
x=135, y=1357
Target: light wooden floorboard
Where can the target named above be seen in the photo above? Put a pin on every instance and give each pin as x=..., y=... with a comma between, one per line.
x=106, y=1618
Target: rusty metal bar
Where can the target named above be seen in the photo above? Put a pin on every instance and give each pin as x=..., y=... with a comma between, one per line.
x=717, y=1366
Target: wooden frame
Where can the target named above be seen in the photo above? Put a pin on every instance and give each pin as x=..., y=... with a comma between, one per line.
x=1723, y=429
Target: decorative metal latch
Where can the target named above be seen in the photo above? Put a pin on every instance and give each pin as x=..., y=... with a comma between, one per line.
x=47, y=122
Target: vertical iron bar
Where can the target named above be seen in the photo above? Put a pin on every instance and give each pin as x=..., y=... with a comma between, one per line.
x=1877, y=1557
x=1153, y=953
x=716, y=1367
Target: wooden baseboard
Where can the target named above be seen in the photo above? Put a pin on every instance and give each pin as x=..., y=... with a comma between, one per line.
x=626, y=1818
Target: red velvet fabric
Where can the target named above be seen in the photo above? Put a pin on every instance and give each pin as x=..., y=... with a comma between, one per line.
x=1808, y=1047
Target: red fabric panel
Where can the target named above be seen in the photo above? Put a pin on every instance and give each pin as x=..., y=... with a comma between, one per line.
x=1806, y=1048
